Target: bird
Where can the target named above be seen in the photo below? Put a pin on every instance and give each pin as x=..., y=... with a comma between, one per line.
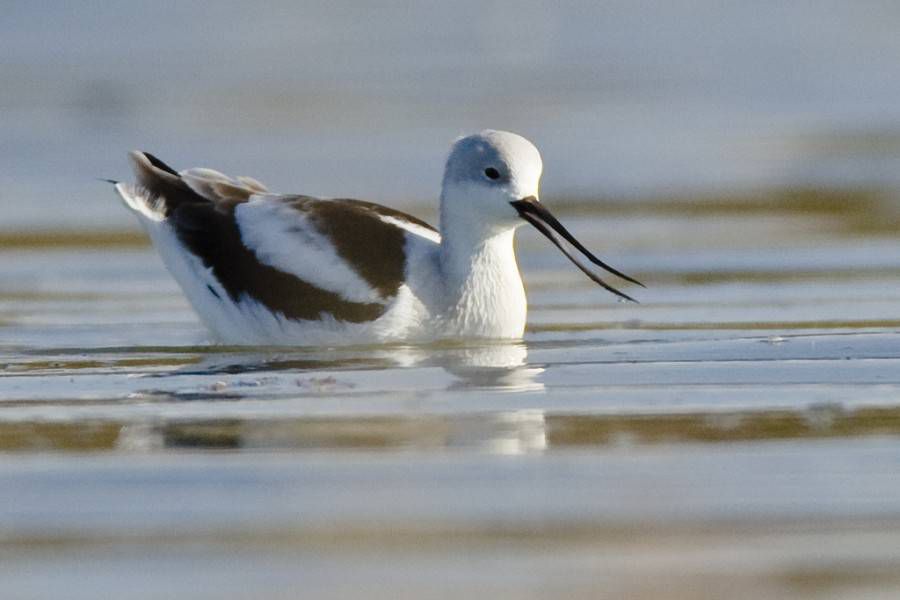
x=261, y=268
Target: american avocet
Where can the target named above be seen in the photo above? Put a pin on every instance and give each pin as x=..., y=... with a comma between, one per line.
x=265, y=268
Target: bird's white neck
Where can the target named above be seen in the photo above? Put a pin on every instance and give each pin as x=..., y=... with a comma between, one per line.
x=484, y=292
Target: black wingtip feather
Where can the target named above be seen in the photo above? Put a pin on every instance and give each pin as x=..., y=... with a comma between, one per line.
x=160, y=164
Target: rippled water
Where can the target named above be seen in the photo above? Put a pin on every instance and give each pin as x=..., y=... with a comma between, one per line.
x=735, y=434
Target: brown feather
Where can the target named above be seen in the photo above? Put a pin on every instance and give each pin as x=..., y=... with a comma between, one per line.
x=202, y=215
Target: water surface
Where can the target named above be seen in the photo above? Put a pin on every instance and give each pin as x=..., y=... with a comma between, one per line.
x=735, y=432
x=734, y=435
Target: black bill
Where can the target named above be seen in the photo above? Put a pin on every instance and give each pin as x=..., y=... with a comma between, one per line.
x=535, y=213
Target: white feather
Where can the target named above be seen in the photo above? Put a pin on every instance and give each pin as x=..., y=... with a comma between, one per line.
x=413, y=228
x=137, y=199
x=285, y=238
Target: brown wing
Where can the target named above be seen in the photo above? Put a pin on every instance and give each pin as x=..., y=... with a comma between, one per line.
x=203, y=213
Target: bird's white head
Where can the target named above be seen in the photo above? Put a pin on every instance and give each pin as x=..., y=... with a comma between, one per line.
x=484, y=174
x=490, y=187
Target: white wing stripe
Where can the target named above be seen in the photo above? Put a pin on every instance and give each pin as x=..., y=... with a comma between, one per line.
x=284, y=238
x=413, y=228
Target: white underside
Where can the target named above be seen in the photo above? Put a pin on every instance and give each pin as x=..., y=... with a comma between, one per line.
x=488, y=304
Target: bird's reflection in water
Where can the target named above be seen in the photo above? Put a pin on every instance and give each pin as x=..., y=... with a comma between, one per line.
x=506, y=432
x=473, y=369
x=495, y=365
x=500, y=366
x=510, y=432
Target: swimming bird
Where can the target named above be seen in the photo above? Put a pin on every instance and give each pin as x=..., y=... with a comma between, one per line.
x=266, y=268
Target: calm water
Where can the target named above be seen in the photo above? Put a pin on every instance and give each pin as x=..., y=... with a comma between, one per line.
x=737, y=434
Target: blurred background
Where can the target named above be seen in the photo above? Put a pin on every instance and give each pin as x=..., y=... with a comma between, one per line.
x=735, y=435
x=626, y=100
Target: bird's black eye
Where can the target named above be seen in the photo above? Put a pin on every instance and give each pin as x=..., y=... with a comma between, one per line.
x=492, y=173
